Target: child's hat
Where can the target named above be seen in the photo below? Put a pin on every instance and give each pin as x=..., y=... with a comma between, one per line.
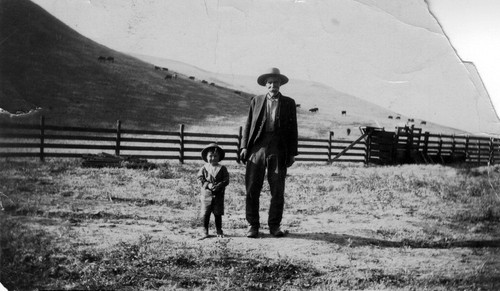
x=211, y=147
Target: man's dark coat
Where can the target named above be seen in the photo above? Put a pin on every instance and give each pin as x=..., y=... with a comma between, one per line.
x=285, y=124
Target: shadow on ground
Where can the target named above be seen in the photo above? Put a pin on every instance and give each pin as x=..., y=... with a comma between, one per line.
x=357, y=241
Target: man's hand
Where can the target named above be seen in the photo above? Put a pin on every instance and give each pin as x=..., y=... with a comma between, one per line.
x=243, y=156
x=290, y=161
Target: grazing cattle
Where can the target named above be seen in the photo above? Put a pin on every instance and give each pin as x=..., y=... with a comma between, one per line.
x=157, y=68
x=168, y=77
x=191, y=77
x=212, y=84
x=164, y=69
x=101, y=59
x=390, y=117
x=297, y=105
x=344, y=113
x=110, y=59
x=315, y=109
x=348, y=131
x=398, y=117
x=237, y=92
x=204, y=82
x=174, y=76
x=423, y=122
x=411, y=120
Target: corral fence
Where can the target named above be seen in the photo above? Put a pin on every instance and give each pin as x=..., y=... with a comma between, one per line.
x=43, y=141
x=375, y=145
x=409, y=145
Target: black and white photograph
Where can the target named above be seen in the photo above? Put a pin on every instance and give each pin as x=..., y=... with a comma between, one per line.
x=249, y=145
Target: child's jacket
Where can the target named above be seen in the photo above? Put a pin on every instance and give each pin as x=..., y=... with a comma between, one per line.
x=211, y=199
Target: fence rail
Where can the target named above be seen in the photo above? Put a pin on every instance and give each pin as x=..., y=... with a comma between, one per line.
x=44, y=141
x=405, y=145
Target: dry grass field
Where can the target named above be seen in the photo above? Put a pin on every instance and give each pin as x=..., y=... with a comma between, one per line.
x=352, y=227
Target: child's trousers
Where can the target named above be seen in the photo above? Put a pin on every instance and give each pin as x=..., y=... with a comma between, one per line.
x=218, y=221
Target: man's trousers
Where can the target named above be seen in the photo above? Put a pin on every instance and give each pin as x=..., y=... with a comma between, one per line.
x=265, y=156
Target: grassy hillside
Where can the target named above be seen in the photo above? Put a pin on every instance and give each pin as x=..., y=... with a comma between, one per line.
x=44, y=63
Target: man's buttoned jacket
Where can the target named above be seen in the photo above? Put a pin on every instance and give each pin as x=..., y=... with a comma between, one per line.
x=285, y=125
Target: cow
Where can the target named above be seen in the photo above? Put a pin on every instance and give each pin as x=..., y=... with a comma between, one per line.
x=164, y=69
x=168, y=77
x=110, y=59
x=101, y=59
x=212, y=84
x=398, y=117
x=390, y=117
x=204, y=82
x=411, y=120
x=174, y=76
x=237, y=92
x=423, y=122
x=191, y=77
x=297, y=105
x=315, y=109
x=344, y=113
x=157, y=68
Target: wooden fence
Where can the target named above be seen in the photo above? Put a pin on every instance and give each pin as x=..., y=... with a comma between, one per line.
x=410, y=145
x=44, y=141
x=375, y=145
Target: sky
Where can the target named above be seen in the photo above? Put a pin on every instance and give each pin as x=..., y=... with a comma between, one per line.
x=473, y=27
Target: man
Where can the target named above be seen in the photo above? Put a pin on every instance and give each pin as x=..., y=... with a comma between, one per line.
x=269, y=143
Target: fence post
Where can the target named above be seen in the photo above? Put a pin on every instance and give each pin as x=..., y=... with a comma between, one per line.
x=478, y=142
x=409, y=142
x=181, y=144
x=453, y=146
x=425, y=150
x=330, y=140
x=368, y=148
x=491, y=158
x=42, y=138
x=238, y=146
x=467, y=148
x=118, y=137
x=395, y=146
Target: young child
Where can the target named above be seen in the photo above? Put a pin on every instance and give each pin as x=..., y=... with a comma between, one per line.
x=213, y=178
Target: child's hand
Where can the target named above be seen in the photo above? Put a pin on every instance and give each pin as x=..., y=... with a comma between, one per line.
x=210, y=186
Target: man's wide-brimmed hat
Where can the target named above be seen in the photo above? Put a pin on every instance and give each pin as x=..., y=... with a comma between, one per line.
x=272, y=72
x=211, y=147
